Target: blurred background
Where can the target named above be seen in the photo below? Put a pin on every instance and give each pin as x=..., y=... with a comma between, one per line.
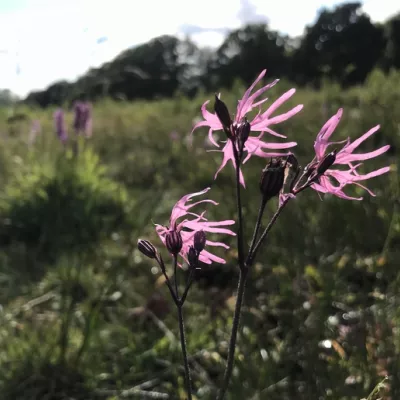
x=83, y=315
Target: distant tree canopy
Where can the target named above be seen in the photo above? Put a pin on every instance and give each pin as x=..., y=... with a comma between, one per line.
x=6, y=97
x=343, y=45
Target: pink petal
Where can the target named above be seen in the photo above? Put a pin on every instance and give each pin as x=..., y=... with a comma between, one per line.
x=372, y=174
x=212, y=119
x=277, y=103
x=248, y=105
x=246, y=95
x=283, y=117
x=351, y=147
x=344, y=157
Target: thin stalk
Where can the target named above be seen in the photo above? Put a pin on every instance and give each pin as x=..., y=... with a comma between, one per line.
x=266, y=231
x=241, y=285
x=89, y=326
x=239, y=209
x=176, y=275
x=257, y=227
x=252, y=254
x=188, y=286
x=162, y=266
x=188, y=379
x=235, y=328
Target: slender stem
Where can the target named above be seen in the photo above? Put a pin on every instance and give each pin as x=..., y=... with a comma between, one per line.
x=184, y=353
x=252, y=254
x=257, y=227
x=267, y=229
x=89, y=327
x=235, y=328
x=239, y=208
x=188, y=286
x=162, y=266
x=176, y=275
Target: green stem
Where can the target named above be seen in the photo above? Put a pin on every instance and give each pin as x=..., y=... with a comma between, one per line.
x=239, y=209
x=184, y=353
x=235, y=328
x=257, y=228
x=253, y=254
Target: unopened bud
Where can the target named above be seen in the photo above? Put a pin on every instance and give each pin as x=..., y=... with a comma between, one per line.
x=199, y=241
x=272, y=178
x=222, y=112
x=193, y=257
x=173, y=241
x=243, y=132
x=327, y=162
x=146, y=248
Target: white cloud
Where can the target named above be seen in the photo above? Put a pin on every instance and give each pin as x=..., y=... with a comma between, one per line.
x=49, y=40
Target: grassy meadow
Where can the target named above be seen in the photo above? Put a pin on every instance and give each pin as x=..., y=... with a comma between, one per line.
x=85, y=316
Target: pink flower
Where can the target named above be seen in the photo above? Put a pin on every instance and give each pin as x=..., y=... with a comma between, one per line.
x=254, y=146
x=188, y=227
x=345, y=156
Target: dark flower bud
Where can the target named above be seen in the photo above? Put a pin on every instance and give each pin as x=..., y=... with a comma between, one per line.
x=173, y=241
x=199, y=241
x=222, y=112
x=146, y=248
x=193, y=257
x=272, y=178
x=243, y=132
x=327, y=162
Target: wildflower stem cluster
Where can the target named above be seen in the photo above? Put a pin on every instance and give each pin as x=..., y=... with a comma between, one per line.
x=282, y=178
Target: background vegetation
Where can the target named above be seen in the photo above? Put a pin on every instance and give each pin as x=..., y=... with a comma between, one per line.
x=84, y=316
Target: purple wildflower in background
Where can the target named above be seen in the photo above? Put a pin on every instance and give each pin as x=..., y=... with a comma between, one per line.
x=83, y=118
x=345, y=156
x=188, y=228
x=59, y=123
x=262, y=122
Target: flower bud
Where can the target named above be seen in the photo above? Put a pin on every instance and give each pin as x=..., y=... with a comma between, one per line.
x=222, y=112
x=199, y=241
x=146, y=248
x=327, y=162
x=193, y=257
x=173, y=241
x=272, y=178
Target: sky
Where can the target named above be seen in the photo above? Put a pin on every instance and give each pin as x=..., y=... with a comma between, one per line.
x=43, y=41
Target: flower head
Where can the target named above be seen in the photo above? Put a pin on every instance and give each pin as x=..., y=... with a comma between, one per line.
x=187, y=228
x=333, y=180
x=262, y=122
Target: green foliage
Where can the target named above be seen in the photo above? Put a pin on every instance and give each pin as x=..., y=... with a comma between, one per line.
x=85, y=315
x=69, y=206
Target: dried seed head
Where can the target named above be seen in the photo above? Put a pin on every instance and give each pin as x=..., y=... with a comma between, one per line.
x=199, y=241
x=272, y=178
x=173, y=241
x=146, y=248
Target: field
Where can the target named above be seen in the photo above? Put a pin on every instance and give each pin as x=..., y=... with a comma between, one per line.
x=85, y=316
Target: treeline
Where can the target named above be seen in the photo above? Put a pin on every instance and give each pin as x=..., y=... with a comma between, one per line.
x=343, y=46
